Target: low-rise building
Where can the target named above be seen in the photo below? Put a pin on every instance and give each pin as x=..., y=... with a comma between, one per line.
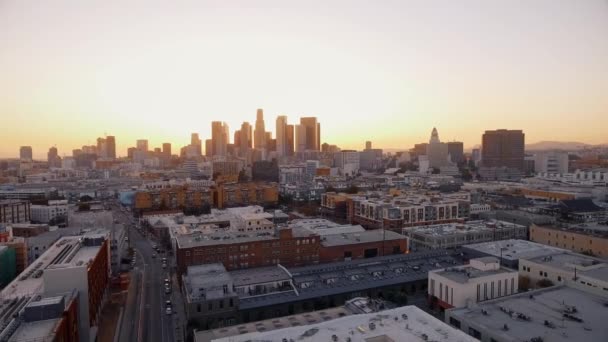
x=51, y=212
x=27, y=230
x=482, y=279
x=508, y=251
x=8, y=266
x=278, y=291
x=590, y=238
x=406, y=323
x=555, y=314
x=14, y=211
x=452, y=235
x=574, y=270
x=81, y=263
x=41, y=318
x=409, y=209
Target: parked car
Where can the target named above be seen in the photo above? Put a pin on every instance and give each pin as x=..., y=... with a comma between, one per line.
x=168, y=311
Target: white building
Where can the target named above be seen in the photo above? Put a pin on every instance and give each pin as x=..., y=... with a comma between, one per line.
x=477, y=209
x=436, y=151
x=566, y=268
x=551, y=162
x=348, y=161
x=482, y=279
x=290, y=174
x=406, y=323
x=46, y=213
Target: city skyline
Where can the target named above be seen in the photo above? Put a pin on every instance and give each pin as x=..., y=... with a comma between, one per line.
x=390, y=77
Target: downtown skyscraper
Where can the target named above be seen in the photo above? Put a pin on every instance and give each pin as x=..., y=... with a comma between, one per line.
x=219, y=138
x=259, y=141
x=281, y=136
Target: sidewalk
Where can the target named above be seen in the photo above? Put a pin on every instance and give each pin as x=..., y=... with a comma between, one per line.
x=108, y=323
x=179, y=319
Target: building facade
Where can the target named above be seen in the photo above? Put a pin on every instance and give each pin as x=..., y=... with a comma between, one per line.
x=503, y=148
x=14, y=211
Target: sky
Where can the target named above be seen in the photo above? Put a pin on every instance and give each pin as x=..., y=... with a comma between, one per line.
x=386, y=71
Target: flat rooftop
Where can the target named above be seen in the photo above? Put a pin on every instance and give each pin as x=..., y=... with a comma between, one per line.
x=462, y=228
x=208, y=277
x=260, y=276
x=514, y=249
x=547, y=305
x=272, y=324
x=464, y=274
x=591, y=229
x=365, y=236
x=35, y=331
x=69, y=251
x=356, y=275
x=407, y=323
x=568, y=261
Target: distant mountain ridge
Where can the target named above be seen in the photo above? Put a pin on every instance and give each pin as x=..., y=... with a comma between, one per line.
x=559, y=145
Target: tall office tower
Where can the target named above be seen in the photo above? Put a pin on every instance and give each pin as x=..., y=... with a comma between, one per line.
x=131, y=152
x=300, y=138
x=76, y=152
x=53, y=158
x=312, y=133
x=195, y=141
x=25, y=153
x=368, y=145
x=157, y=150
x=436, y=151
x=219, y=138
x=208, y=148
x=260, y=131
x=289, y=138
x=246, y=136
x=318, y=136
x=142, y=145
x=167, y=149
x=503, y=148
x=111, y=146
x=281, y=135
x=456, y=151
x=237, y=138
x=102, y=150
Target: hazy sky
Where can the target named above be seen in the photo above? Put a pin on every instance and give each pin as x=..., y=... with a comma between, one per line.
x=386, y=71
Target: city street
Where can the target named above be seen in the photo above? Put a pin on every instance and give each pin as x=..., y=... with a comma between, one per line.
x=145, y=318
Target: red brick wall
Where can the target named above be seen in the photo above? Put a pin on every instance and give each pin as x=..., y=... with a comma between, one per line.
x=99, y=279
x=336, y=253
x=67, y=329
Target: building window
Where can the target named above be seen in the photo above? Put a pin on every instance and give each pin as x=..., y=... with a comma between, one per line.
x=348, y=254
x=210, y=306
x=454, y=322
x=478, y=286
x=221, y=304
x=499, y=287
x=441, y=291
x=485, y=291
x=559, y=278
x=492, y=290
x=512, y=285
x=474, y=333
x=231, y=302
x=198, y=308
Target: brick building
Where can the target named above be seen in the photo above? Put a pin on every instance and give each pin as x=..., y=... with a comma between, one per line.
x=218, y=196
x=28, y=230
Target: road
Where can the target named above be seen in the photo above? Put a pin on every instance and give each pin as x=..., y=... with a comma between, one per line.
x=145, y=318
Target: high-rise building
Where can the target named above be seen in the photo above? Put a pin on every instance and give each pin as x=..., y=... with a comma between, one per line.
x=289, y=138
x=260, y=131
x=76, y=152
x=102, y=151
x=456, y=151
x=246, y=136
x=25, y=153
x=142, y=145
x=53, y=158
x=208, y=148
x=167, y=149
x=300, y=138
x=312, y=133
x=237, y=138
x=555, y=162
x=318, y=136
x=436, y=151
x=281, y=135
x=196, y=141
x=368, y=145
x=219, y=138
x=503, y=148
x=111, y=147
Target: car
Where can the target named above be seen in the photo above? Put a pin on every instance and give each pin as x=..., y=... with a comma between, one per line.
x=153, y=255
x=168, y=303
x=169, y=311
x=166, y=280
x=167, y=290
x=164, y=265
x=164, y=260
